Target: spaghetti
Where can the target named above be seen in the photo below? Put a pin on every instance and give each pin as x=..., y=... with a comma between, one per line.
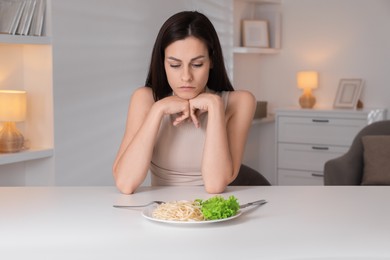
x=179, y=211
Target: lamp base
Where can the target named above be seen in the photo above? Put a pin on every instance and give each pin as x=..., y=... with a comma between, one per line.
x=11, y=140
x=307, y=101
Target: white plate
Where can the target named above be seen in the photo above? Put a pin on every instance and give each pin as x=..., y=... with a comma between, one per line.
x=147, y=213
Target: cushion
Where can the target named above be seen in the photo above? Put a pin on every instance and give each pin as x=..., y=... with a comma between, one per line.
x=376, y=155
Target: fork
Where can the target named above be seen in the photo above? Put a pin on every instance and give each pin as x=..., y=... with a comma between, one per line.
x=140, y=206
x=253, y=203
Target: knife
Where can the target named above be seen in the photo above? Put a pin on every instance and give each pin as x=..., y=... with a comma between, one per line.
x=254, y=203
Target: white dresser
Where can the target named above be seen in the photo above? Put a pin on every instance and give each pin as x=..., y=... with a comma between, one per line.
x=307, y=138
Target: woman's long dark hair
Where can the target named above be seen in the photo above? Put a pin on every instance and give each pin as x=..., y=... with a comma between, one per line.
x=179, y=27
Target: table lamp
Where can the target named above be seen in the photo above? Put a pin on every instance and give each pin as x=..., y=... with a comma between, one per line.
x=307, y=80
x=12, y=109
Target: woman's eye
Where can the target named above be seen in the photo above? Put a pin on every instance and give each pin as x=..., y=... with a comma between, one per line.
x=175, y=65
x=197, y=65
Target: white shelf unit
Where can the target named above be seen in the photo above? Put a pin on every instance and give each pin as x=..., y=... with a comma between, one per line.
x=253, y=50
x=268, y=119
x=27, y=155
x=26, y=64
x=19, y=39
x=260, y=10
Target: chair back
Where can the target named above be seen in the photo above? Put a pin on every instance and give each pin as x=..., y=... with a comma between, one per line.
x=249, y=177
x=348, y=169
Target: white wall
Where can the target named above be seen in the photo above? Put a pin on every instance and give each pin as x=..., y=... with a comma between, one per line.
x=101, y=52
x=339, y=39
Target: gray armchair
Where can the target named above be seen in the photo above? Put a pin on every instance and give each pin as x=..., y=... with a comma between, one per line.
x=349, y=168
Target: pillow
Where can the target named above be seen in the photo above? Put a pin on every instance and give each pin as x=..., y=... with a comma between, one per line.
x=376, y=160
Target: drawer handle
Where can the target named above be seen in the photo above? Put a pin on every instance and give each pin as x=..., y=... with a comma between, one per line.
x=322, y=148
x=317, y=175
x=320, y=120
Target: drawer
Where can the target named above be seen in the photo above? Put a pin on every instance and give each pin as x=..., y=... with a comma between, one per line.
x=307, y=157
x=300, y=178
x=318, y=130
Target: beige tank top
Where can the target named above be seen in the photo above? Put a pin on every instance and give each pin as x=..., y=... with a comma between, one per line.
x=177, y=155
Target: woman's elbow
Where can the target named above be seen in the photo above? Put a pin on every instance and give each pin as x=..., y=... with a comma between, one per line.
x=124, y=187
x=215, y=188
x=122, y=184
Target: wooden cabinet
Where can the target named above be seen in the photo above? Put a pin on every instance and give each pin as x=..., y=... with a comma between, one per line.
x=26, y=64
x=307, y=138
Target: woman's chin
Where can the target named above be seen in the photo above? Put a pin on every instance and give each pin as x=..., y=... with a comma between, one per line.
x=188, y=92
x=186, y=96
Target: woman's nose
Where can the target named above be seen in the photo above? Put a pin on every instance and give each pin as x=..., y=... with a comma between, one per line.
x=186, y=75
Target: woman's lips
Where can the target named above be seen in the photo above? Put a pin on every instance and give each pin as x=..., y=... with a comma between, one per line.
x=186, y=88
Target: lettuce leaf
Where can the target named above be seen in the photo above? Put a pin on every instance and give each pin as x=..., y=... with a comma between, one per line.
x=218, y=207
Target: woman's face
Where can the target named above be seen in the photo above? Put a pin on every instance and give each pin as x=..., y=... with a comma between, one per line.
x=187, y=64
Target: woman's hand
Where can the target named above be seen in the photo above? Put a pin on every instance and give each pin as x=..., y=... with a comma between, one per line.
x=173, y=105
x=191, y=109
x=202, y=104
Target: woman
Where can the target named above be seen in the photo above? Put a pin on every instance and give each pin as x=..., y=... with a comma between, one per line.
x=187, y=126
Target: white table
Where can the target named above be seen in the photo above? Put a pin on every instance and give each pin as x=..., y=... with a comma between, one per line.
x=296, y=223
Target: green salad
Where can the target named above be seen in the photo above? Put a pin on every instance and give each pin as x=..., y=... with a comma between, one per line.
x=218, y=207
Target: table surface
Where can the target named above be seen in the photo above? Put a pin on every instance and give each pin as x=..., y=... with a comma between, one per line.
x=297, y=223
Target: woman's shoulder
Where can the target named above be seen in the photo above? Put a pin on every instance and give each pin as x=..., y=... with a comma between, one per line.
x=241, y=103
x=241, y=96
x=142, y=96
x=143, y=93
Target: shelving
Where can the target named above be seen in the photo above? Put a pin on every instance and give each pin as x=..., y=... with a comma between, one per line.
x=270, y=118
x=26, y=64
x=268, y=10
x=19, y=39
x=262, y=1
x=252, y=50
x=246, y=73
x=30, y=154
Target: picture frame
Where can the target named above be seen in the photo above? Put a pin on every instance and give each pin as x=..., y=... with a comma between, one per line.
x=348, y=93
x=255, y=33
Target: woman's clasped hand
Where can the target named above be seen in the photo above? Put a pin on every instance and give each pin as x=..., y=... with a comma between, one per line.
x=185, y=110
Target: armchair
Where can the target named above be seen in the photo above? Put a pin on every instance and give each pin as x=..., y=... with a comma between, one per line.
x=349, y=168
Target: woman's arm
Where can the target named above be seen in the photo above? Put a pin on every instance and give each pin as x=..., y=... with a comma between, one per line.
x=143, y=122
x=133, y=159
x=226, y=136
x=240, y=111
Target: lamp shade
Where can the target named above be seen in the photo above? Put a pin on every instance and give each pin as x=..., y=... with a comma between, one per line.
x=12, y=105
x=307, y=79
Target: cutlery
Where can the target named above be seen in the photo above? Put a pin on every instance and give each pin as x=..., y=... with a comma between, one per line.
x=140, y=206
x=253, y=203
